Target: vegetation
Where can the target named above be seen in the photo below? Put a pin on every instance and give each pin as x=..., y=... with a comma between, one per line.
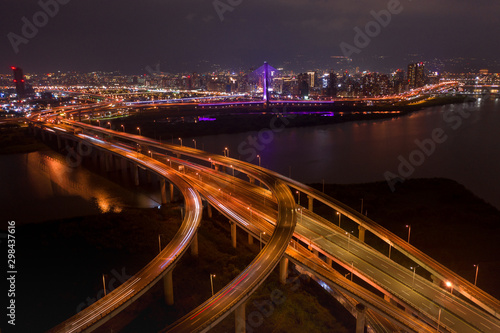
x=15, y=139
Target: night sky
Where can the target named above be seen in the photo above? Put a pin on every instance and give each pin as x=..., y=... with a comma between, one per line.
x=189, y=35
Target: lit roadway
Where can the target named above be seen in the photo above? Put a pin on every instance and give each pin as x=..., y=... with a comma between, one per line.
x=370, y=265
x=104, y=309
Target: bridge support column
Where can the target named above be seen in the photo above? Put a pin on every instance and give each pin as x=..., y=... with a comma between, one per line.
x=360, y=318
x=95, y=155
x=329, y=261
x=209, y=210
x=43, y=134
x=107, y=161
x=136, y=175
x=251, y=180
x=168, y=288
x=316, y=253
x=194, y=245
x=387, y=298
x=59, y=144
x=124, y=168
x=310, y=203
x=233, y=234
x=240, y=319
x=171, y=192
x=361, y=233
x=250, y=239
x=283, y=270
x=163, y=187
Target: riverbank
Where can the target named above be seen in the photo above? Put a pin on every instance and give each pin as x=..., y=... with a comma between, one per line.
x=15, y=139
x=173, y=122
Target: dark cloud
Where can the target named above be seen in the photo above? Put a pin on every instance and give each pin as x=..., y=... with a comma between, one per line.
x=189, y=35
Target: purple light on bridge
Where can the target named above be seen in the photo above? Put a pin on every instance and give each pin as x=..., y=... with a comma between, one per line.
x=206, y=119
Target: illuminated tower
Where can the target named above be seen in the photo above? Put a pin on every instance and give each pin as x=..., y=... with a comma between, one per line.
x=267, y=72
x=19, y=81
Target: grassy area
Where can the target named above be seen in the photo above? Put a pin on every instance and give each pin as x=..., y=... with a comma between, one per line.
x=14, y=139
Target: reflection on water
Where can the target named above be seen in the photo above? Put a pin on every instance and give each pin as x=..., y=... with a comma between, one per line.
x=40, y=186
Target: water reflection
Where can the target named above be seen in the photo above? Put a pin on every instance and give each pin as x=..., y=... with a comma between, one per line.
x=41, y=186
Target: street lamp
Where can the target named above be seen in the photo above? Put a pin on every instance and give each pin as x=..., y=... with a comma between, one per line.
x=409, y=231
x=159, y=242
x=477, y=270
x=340, y=215
x=123, y=127
x=98, y=123
x=212, y=283
x=260, y=238
x=258, y=156
x=449, y=285
x=139, y=129
x=233, y=169
x=104, y=284
x=194, y=143
x=298, y=196
x=180, y=139
x=226, y=152
x=414, y=273
x=109, y=125
x=348, y=240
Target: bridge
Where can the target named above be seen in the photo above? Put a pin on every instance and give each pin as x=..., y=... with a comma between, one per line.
x=397, y=295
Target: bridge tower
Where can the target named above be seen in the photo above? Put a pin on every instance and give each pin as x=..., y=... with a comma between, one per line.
x=266, y=72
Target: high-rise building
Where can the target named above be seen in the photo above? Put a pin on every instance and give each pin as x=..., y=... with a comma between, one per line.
x=332, y=85
x=416, y=75
x=19, y=81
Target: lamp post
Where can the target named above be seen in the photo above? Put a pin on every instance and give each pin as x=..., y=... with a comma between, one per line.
x=298, y=196
x=258, y=156
x=340, y=215
x=139, y=129
x=123, y=128
x=348, y=240
x=232, y=167
x=109, y=125
x=104, y=283
x=260, y=238
x=450, y=285
x=414, y=273
x=212, y=283
x=409, y=232
x=194, y=143
x=180, y=139
x=226, y=152
x=477, y=270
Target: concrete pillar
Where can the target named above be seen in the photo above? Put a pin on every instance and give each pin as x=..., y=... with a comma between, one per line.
x=59, y=145
x=107, y=162
x=316, y=253
x=283, y=270
x=136, y=175
x=168, y=288
x=95, y=155
x=163, y=188
x=171, y=192
x=209, y=210
x=250, y=239
x=251, y=180
x=387, y=298
x=239, y=319
x=233, y=234
x=329, y=261
x=360, y=318
x=124, y=167
x=148, y=175
x=361, y=233
x=194, y=245
x=43, y=134
x=310, y=202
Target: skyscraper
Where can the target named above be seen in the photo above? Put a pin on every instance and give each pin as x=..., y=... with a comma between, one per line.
x=416, y=75
x=19, y=81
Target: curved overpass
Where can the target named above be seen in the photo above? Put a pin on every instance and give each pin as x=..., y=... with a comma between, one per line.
x=104, y=309
x=482, y=298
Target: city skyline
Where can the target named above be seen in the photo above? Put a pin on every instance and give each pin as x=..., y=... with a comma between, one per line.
x=48, y=36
